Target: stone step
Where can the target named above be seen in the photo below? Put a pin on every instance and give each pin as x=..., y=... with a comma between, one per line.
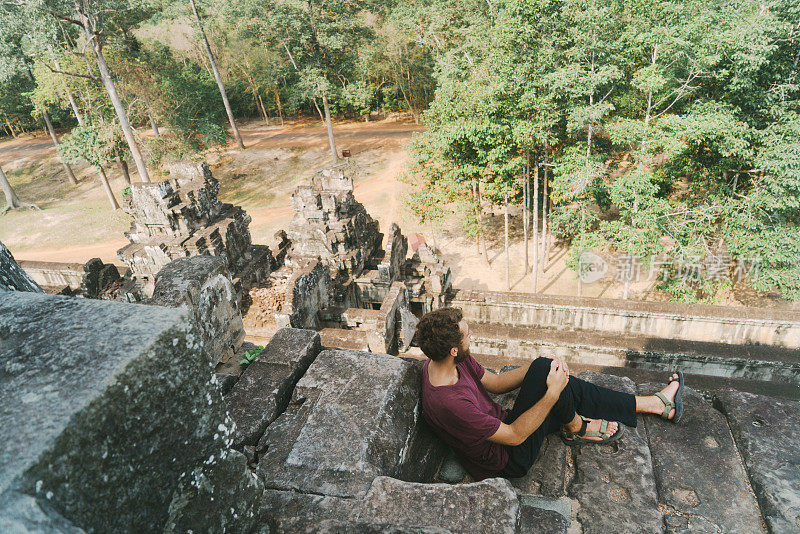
x=614, y=484
x=353, y=416
x=765, y=430
x=699, y=475
x=263, y=390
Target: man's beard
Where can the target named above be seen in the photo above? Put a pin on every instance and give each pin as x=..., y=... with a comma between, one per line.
x=462, y=355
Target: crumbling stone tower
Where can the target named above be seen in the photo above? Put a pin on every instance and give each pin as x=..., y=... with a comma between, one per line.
x=330, y=224
x=180, y=217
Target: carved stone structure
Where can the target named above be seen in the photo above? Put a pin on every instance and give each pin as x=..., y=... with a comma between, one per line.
x=331, y=225
x=180, y=217
x=371, y=291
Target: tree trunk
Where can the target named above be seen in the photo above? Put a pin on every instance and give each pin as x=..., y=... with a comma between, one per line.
x=280, y=107
x=474, y=194
x=334, y=155
x=153, y=123
x=12, y=200
x=107, y=187
x=480, y=222
x=52, y=132
x=111, y=89
x=72, y=103
x=545, y=210
x=11, y=129
x=263, y=109
x=217, y=77
x=647, y=113
x=123, y=166
x=535, y=225
x=508, y=261
x=525, y=204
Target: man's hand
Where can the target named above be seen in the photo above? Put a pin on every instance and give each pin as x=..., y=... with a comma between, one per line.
x=558, y=377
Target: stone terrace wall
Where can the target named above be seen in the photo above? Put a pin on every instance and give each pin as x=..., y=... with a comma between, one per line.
x=655, y=319
x=52, y=273
x=104, y=406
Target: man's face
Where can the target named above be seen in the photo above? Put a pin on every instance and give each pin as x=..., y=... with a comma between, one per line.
x=463, y=347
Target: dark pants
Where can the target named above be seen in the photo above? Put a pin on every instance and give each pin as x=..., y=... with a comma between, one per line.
x=579, y=396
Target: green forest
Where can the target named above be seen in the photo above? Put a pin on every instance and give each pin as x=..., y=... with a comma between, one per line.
x=667, y=132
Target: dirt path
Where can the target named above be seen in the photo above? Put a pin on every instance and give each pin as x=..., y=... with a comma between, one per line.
x=107, y=250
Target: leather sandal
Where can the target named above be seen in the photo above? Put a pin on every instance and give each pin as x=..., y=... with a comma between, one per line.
x=581, y=436
x=677, y=404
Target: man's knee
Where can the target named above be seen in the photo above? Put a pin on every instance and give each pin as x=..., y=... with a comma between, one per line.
x=540, y=365
x=537, y=372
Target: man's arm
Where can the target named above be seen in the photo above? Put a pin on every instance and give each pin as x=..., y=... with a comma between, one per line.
x=531, y=419
x=504, y=382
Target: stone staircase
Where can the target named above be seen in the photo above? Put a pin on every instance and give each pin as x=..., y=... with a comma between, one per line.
x=343, y=456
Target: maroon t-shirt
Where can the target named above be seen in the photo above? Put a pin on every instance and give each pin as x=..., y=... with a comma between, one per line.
x=463, y=415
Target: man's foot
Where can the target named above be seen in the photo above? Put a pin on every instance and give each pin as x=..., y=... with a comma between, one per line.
x=669, y=392
x=668, y=403
x=585, y=430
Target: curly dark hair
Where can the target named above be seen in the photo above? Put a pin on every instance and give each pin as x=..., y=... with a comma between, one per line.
x=438, y=332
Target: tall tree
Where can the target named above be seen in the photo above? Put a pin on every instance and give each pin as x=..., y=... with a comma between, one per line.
x=12, y=200
x=217, y=77
x=42, y=25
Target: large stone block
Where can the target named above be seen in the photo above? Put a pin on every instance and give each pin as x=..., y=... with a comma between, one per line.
x=221, y=496
x=548, y=473
x=614, y=484
x=490, y=506
x=698, y=471
x=24, y=514
x=394, y=506
x=765, y=430
x=301, y=512
x=12, y=276
x=265, y=387
x=202, y=285
x=353, y=416
x=105, y=404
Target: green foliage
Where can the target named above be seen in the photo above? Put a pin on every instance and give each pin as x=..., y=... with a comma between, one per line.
x=675, y=121
x=96, y=143
x=250, y=355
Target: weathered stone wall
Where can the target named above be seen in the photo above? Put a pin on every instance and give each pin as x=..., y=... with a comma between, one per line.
x=655, y=319
x=105, y=404
x=56, y=274
x=307, y=292
x=508, y=344
x=12, y=276
x=90, y=279
x=202, y=286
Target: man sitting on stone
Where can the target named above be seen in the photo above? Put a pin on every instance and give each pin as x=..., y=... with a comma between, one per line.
x=492, y=442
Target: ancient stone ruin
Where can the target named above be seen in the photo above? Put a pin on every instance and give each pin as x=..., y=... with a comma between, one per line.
x=337, y=277
x=311, y=438
x=181, y=217
x=121, y=417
